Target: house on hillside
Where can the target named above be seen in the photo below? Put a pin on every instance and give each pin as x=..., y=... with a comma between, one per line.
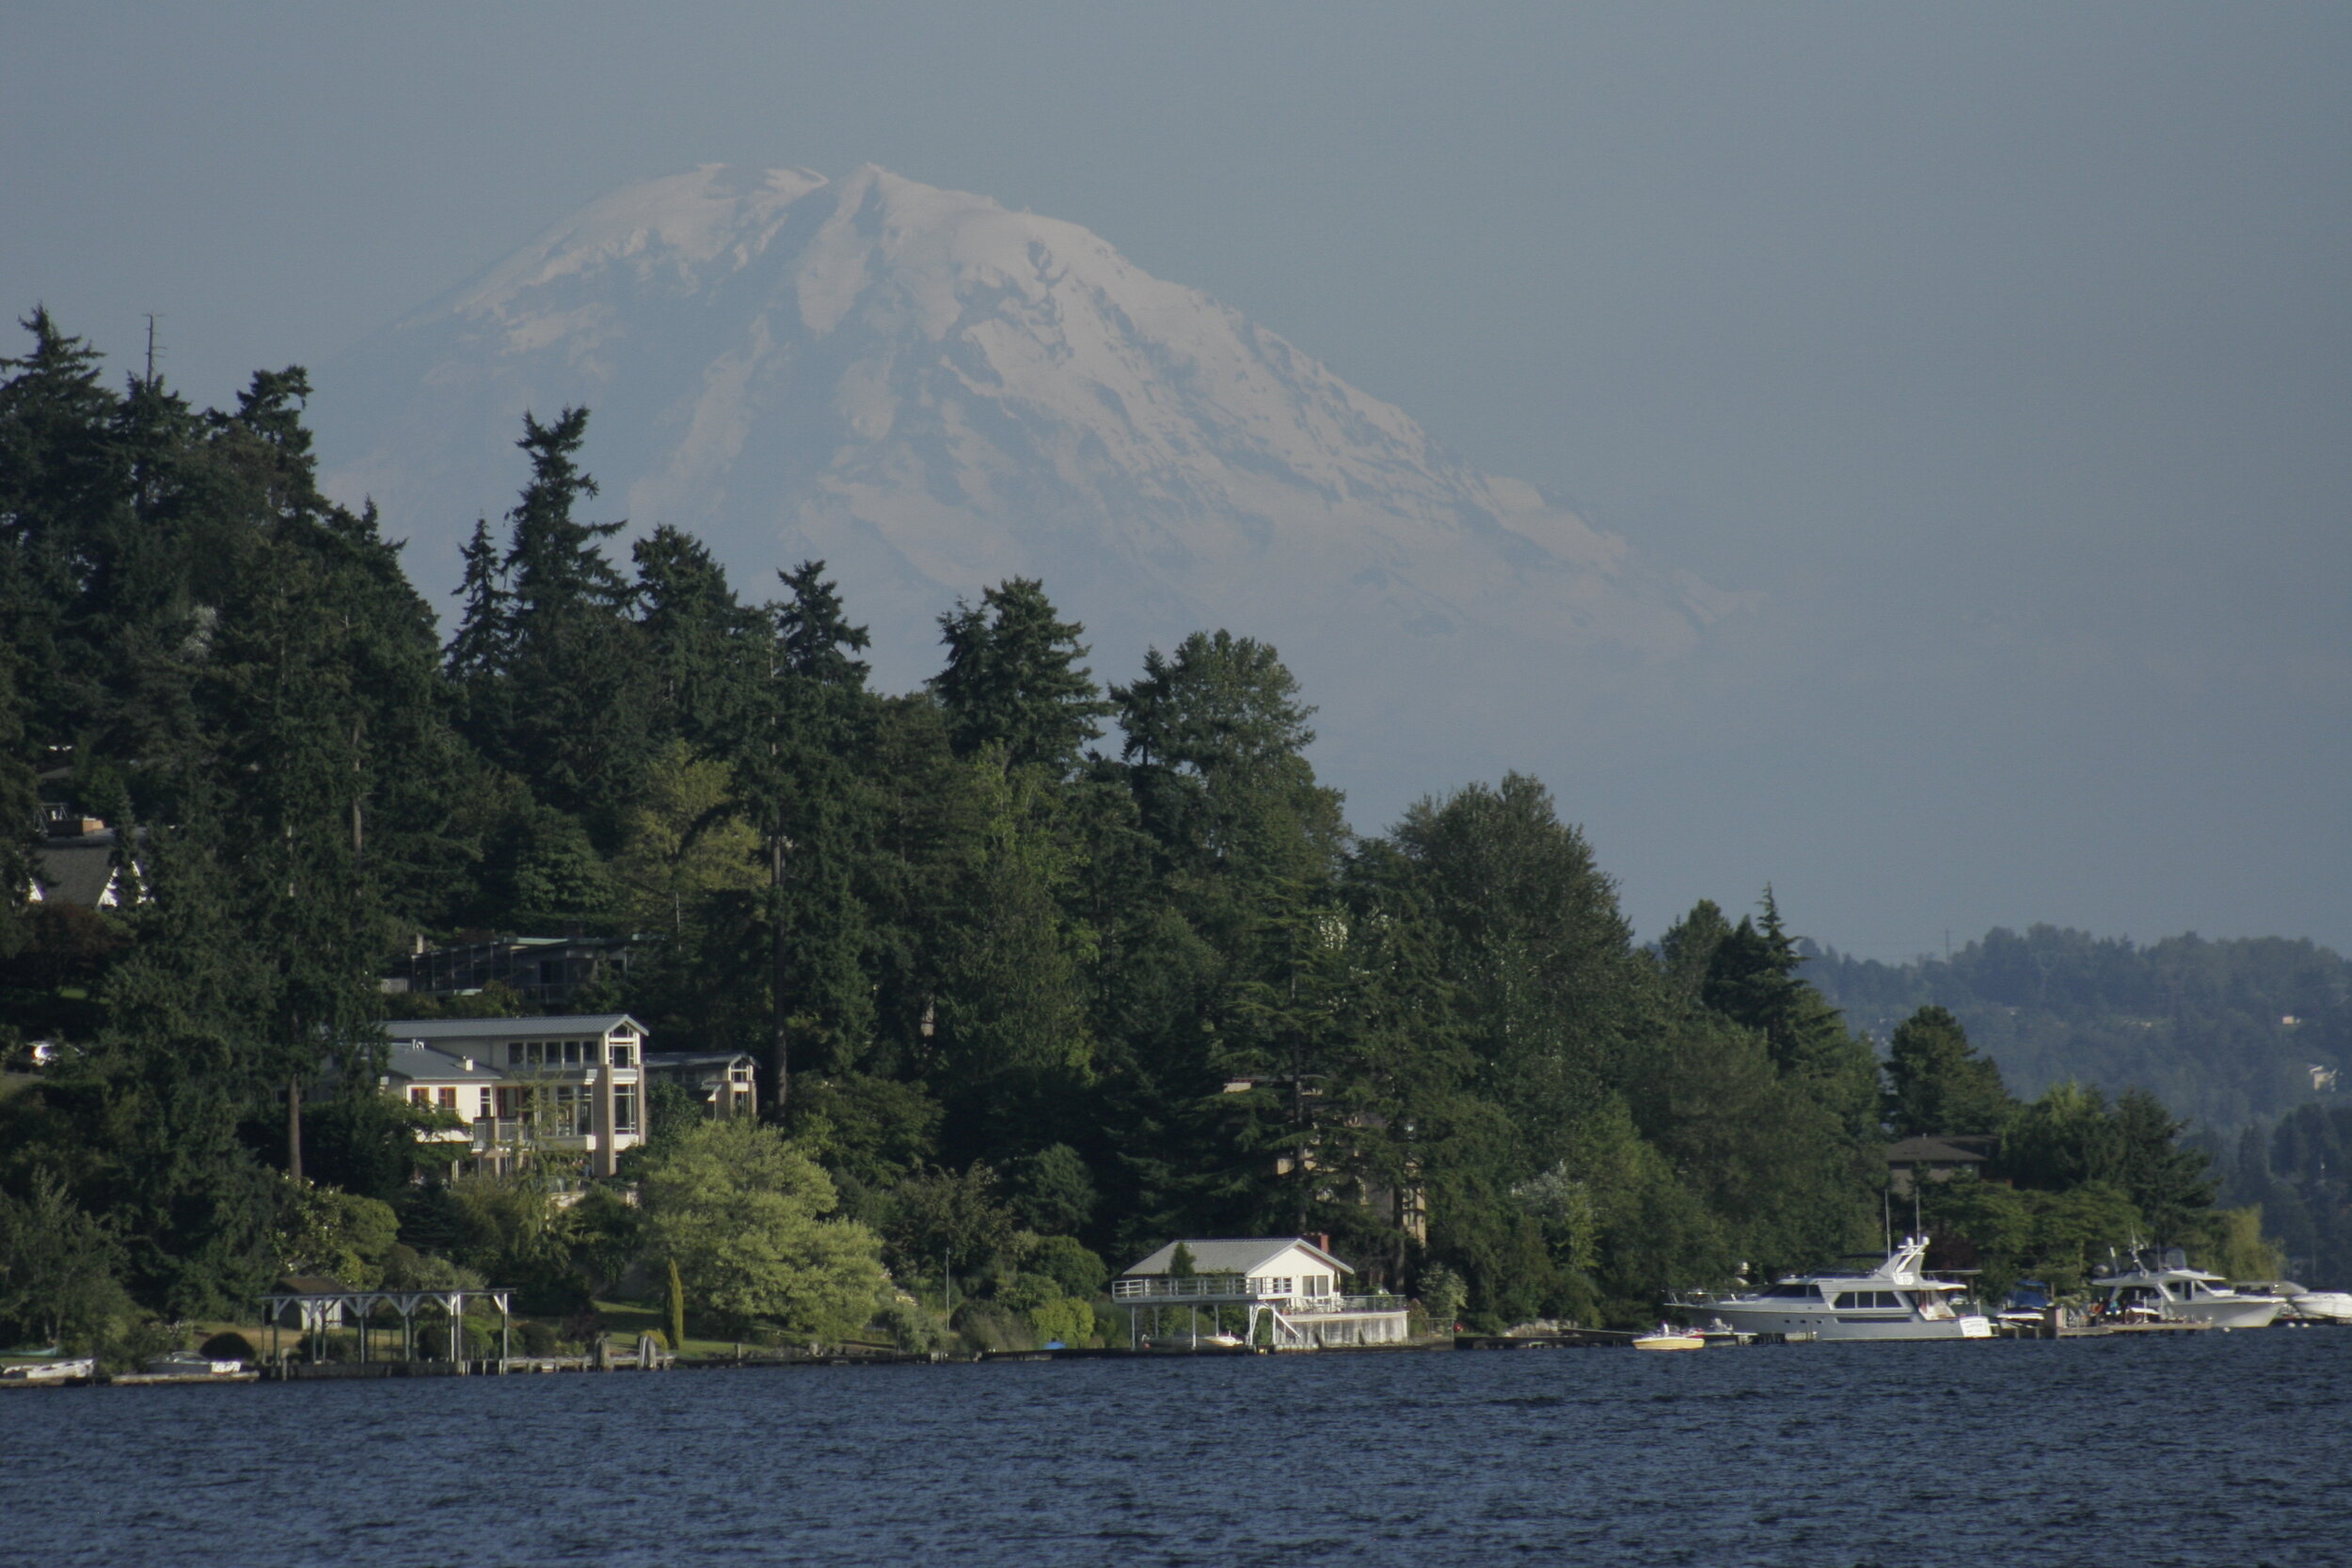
x=725, y=1082
x=1910, y=1161
x=526, y=1087
x=545, y=972
x=1289, y=1291
x=81, y=862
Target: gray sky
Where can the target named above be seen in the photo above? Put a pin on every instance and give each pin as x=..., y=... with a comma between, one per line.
x=2006, y=348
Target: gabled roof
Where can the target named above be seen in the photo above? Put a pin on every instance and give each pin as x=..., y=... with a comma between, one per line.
x=75, y=872
x=424, y=1063
x=1235, y=1255
x=462, y=1031
x=685, y=1059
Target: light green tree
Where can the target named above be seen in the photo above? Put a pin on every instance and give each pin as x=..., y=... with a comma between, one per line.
x=743, y=1213
x=56, y=1269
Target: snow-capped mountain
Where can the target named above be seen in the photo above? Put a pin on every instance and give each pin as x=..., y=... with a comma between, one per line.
x=932, y=393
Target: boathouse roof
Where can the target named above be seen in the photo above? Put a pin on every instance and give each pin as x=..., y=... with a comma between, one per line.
x=1242, y=1254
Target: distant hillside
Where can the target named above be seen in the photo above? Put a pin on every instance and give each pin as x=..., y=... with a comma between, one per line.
x=2224, y=1032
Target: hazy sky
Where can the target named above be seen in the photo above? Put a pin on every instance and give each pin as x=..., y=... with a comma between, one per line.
x=2005, y=348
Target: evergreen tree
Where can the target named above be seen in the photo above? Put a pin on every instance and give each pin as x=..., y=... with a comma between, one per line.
x=1014, y=682
x=1936, y=1083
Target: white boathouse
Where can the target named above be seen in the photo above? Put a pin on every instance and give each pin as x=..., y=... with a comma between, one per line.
x=1284, y=1292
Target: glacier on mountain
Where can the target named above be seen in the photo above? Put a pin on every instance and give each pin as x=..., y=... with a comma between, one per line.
x=933, y=393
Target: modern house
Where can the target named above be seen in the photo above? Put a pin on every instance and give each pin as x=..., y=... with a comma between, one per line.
x=525, y=1086
x=1293, y=1285
x=725, y=1082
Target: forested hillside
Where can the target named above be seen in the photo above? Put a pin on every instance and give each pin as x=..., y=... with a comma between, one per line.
x=2222, y=1032
x=1042, y=970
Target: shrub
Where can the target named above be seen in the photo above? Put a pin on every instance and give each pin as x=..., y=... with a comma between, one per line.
x=230, y=1346
x=537, y=1336
x=1077, y=1271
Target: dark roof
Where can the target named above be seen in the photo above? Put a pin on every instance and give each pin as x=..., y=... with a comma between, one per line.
x=75, y=870
x=1932, y=1151
x=687, y=1060
x=449, y=1032
x=311, y=1284
x=412, y=1062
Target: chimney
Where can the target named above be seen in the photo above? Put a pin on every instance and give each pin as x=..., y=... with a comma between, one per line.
x=1322, y=1239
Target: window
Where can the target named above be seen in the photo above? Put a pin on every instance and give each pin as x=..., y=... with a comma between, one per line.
x=624, y=1109
x=419, y=1095
x=487, y=1104
x=624, y=1054
x=449, y=1099
x=1869, y=1300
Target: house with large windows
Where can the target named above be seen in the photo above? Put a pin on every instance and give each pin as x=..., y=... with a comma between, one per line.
x=526, y=1088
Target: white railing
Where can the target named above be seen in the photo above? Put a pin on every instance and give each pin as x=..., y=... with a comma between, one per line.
x=1199, y=1287
x=1345, y=1304
x=1228, y=1287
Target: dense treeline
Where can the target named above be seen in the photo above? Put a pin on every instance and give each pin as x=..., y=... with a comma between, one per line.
x=1040, y=969
x=2298, y=1172
x=2222, y=1032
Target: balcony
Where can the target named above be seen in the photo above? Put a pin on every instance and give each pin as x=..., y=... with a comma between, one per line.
x=1199, y=1287
x=1213, y=1289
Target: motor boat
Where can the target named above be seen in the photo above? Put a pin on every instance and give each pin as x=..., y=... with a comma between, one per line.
x=2027, y=1305
x=1667, y=1337
x=50, y=1371
x=2162, y=1287
x=1894, y=1301
x=2329, y=1306
x=189, y=1363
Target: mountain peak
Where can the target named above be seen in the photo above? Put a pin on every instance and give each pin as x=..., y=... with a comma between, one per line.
x=932, y=393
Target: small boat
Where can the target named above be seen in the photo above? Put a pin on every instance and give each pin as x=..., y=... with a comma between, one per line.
x=1894, y=1301
x=50, y=1371
x=189, y=1363
x=2324, y=1306
x=1667, y=1337
x=2164, y=1289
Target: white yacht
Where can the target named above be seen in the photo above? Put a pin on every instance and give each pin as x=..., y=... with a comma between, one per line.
x=2164, y=1289
x=1894, y=1301
x=2330, y=1306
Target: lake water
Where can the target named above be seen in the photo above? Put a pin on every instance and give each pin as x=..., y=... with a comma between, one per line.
x=2216, y=1448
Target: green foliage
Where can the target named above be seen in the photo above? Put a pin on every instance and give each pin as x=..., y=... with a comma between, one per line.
x=1013, y=685
x=334, y=1234
x=951, y=1217
x=675, y=1305
x=1052, y=1190
x=1074, y=1270
x=57, y=1278
x=1442, y=1292
x=1167, y=992
x=742, y=1213
x=2221, y=1031
x=1936, y=1083
x=874, y=1129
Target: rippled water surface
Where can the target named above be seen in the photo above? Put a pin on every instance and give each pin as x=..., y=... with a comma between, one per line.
x=2220, y=1448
